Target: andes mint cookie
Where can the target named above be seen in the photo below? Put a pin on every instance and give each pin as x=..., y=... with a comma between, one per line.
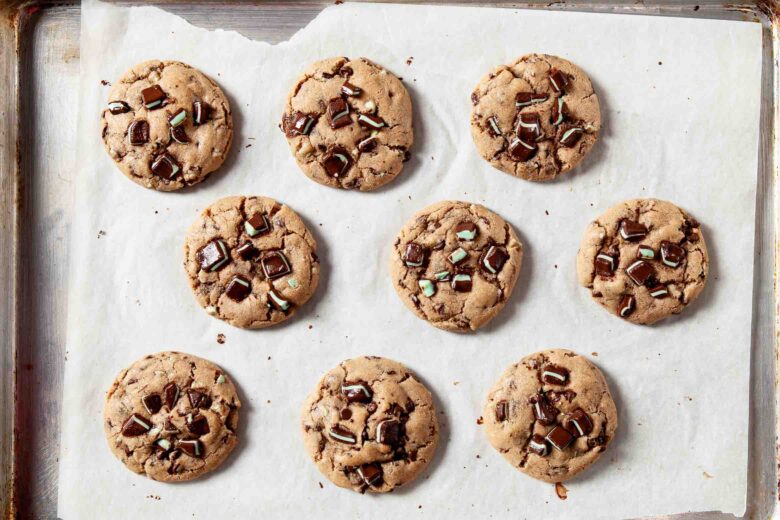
x=166, y=125
x=551, y=415
x=349, y=124
x=455, y=264
x=172, y=416
x=370, y=425
x=536, y=118
x=251, y=261
x=643, y=260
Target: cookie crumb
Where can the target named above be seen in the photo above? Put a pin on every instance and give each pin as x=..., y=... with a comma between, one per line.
x=594, y=354
x=101, y=233
x=546, y=212
x=104, y=82
x=321, y=486
x=660, y=63
x=480, y=420
x=409, y=60
x=221, y=338
x=706, y=475
x=561, y=491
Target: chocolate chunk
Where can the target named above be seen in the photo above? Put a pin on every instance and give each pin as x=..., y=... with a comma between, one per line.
x=559, y=112
x=544, y=411
x=370, y=121
x=493, y=259
x=169, y=427
x=524, y=99
x=198, y=399
x=388, y=432
x=346, y=71
x=368, y=144
x=461, y=282
x=238, y=288
x=659, y=291
x=645, y=252
x=626, y=305
x=276, y=301
x=338, y=113
x=201, y=111
x=529, y=127
x=466, y=231
x=179, y=135
x=213, y=256
x=632, y=231
x=442, y=276
x=604, y=265
x=152, y=403
x=257, y=225
x=153, y=97
x=275, y=264
x=341, y=434
x=165, y=166
x=578, y=423
x=671, y=254
x=427, y=287
x=162, y=447
x=640, y=272
x=554, y=375
x=520, y=150
x=559, y=81
x=345, y=414
x=136, y=425
x=138, y=132
x=559, y=437
x=493, y=127
x=298, y=124
x=571, y=137
x=414, y=255
x=337, y=162
x=502, y=411
x=192, y=447
x=247, y=251
x=356, y=392
x=170, y=395
x=348, y=89
x=178, y=118
x=371, y=474
x=538, y=445
x=198, y=425
x=457, y=256
x=118, y=107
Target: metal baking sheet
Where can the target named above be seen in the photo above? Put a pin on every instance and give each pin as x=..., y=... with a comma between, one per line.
x=39, y=58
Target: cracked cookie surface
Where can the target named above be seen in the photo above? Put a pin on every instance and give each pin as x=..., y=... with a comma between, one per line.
x=370, y=425
x=251, y=261
x=455, y=264
x=148, y=136
x=551, y=415
x=349, y=124
x=172, y=416
x=536, y=118
x=643, y=260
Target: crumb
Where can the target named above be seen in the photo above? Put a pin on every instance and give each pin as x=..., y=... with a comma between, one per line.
x=556, y=266
x=561, y=490
x=221, y=338
x=480, y=420
x=269, y=358
x=409, y=60
x=321, y=486
x=338, y=2
x=268, y=401
x=248, y=146
x=101, y=233
x=419, y=507
x=455, y=383
x=707, y=475
x=156, y=212
x=478, y=456
x=696, y=8
x=595, y=354
x=660, y=63
x=311, y=327
x=104, y=82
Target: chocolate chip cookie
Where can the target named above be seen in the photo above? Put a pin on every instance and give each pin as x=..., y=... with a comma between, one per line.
x=551, y=415
x=349, y=124
x=166, y=125
x=172, y=416
x=251, y=261
x=455, y=264
x=536, y=118
x=370, y=425
x=643, y=260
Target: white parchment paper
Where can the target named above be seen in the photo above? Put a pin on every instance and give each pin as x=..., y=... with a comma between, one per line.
x=680, y=101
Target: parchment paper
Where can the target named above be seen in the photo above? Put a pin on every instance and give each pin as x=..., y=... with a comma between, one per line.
x=680, y=102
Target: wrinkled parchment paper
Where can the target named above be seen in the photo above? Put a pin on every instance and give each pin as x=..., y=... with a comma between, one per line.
x=680, y=101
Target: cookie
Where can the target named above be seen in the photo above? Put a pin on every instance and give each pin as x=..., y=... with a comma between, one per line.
x=551, y=415
x=643, y=260
x=536, y=118
x=166, y=125
x=251, y=261
x=455, y=264
x=370, y=425
x=349, y=124
x=172, y=416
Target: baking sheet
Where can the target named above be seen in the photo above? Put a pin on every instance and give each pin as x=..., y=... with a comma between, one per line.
x=680, y=100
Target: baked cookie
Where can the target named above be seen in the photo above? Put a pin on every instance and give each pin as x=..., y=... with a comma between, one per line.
x=536, y=118
x=551, y=415
x=251, y=261
x=172, y=416
x=349, y=124
x=643, y=260
x=370, y=425
x=166, y=125
x=455, y=264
